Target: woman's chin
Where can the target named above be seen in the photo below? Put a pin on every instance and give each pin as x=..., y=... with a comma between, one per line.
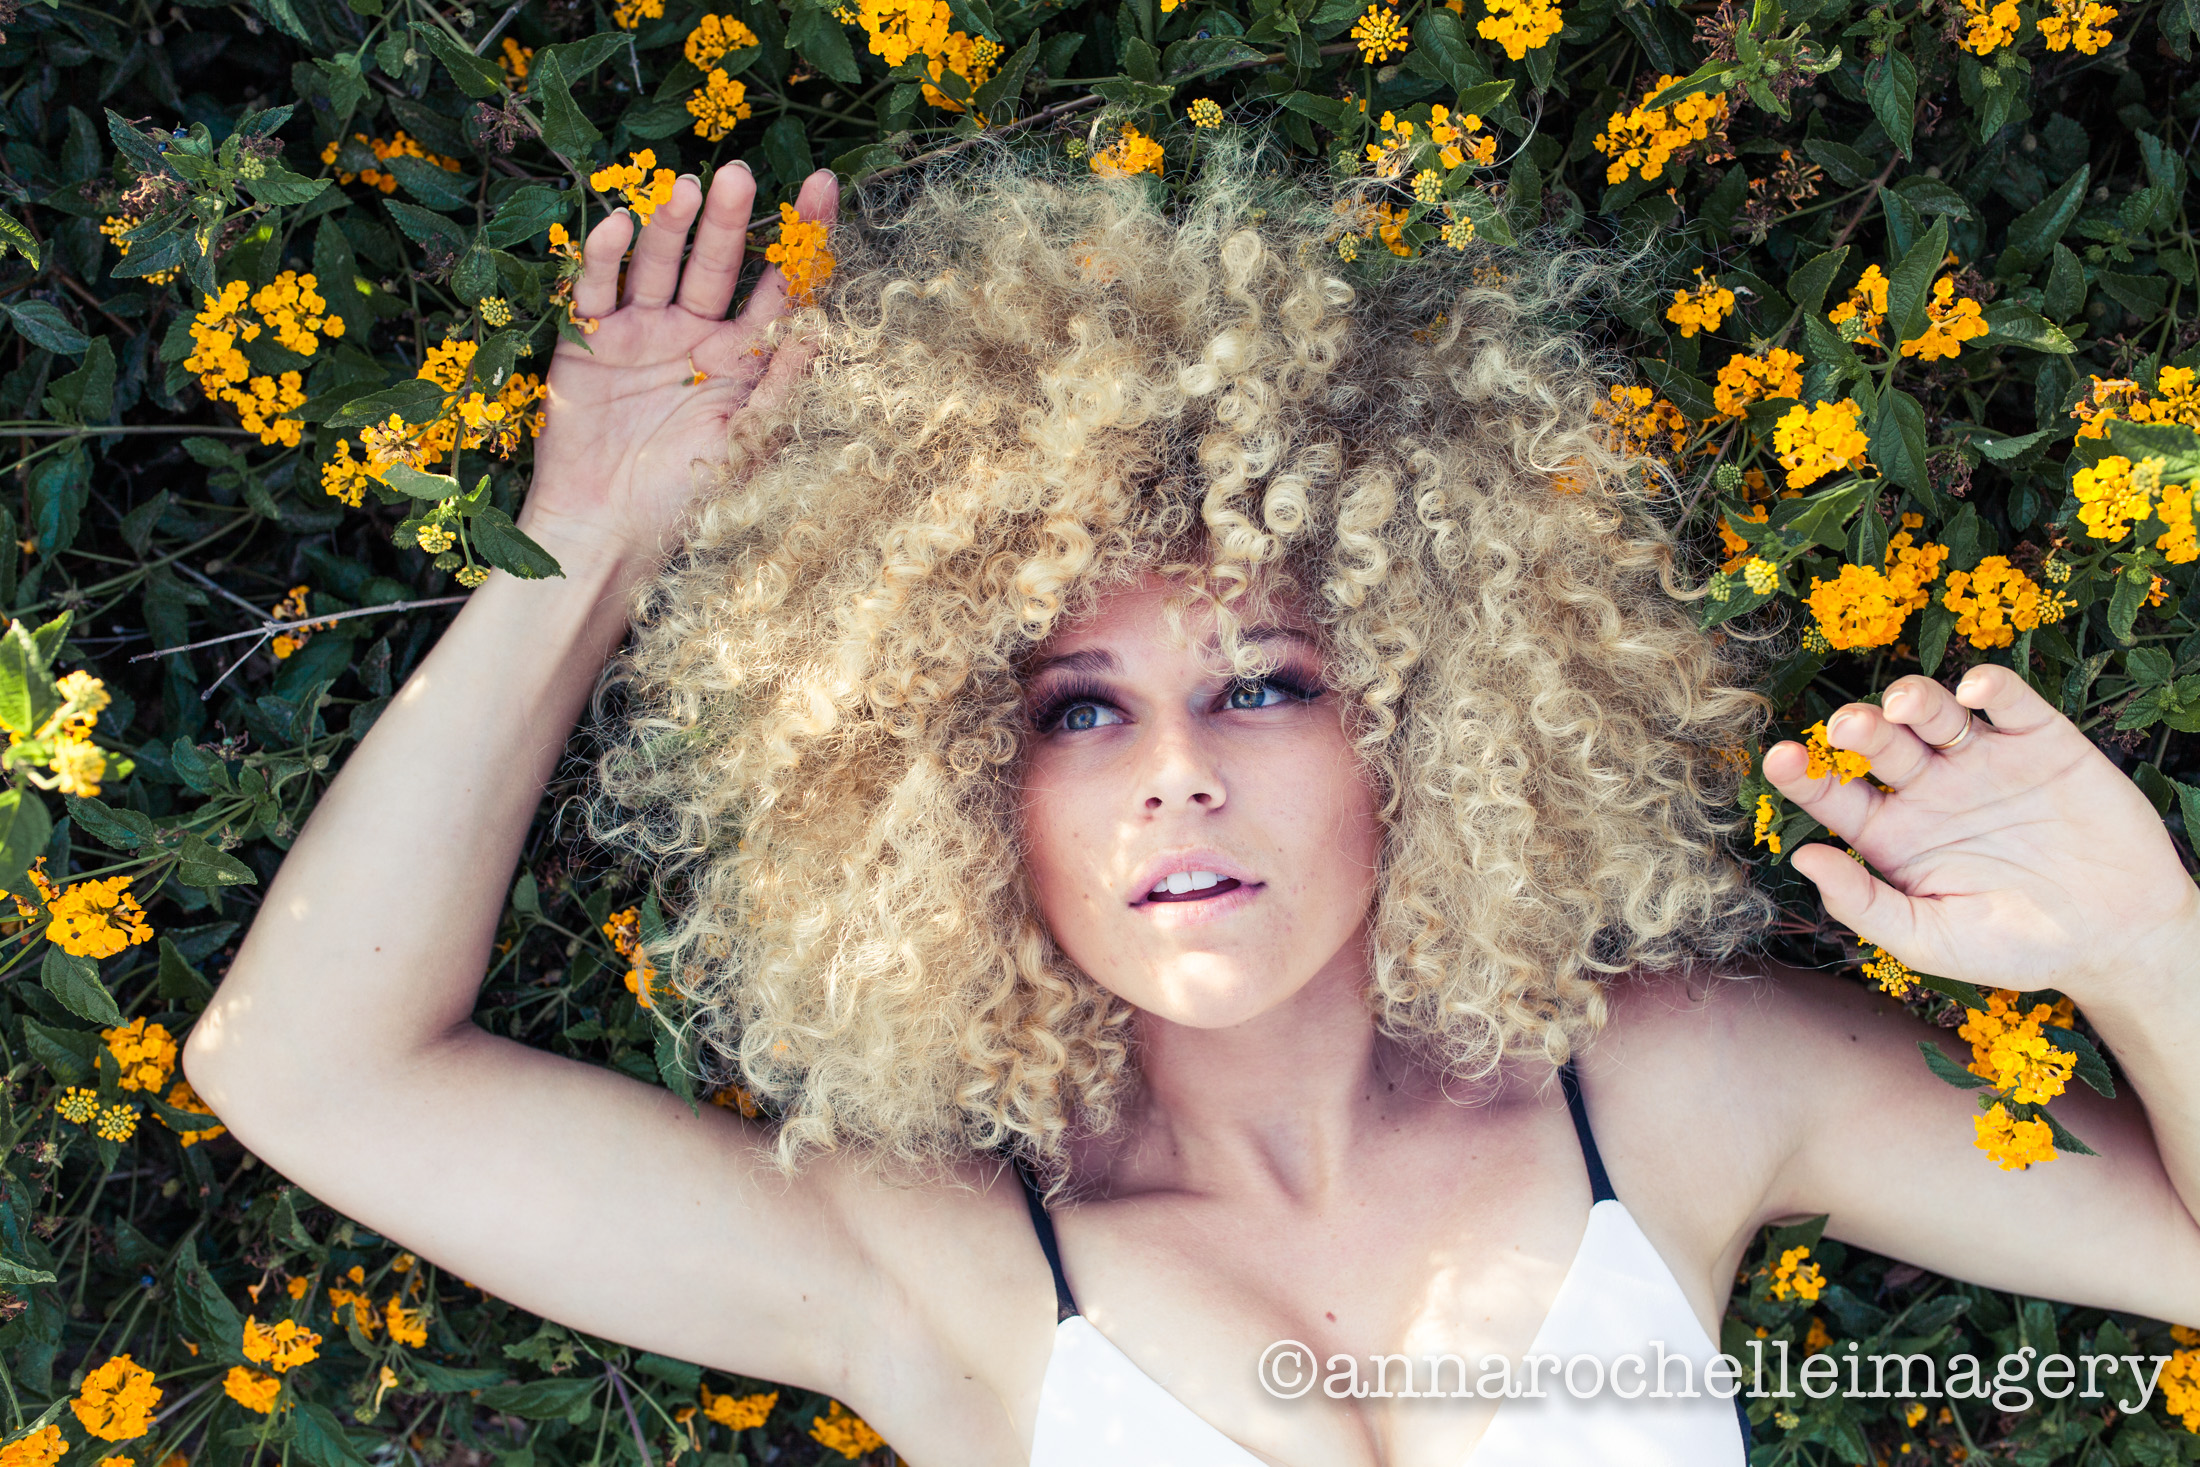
x=1212, y=1000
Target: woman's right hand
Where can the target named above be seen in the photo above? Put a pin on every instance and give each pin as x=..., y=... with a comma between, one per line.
x=625, y=420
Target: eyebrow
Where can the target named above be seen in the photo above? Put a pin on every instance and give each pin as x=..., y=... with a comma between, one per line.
x=1100, y=659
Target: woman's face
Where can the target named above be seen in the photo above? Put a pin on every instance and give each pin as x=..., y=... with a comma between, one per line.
x=1202, y=846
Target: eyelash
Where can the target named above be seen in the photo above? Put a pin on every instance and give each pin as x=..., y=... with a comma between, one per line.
x=1048, y=717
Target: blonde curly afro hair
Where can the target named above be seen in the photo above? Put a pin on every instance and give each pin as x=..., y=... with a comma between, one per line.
x=1029, y=387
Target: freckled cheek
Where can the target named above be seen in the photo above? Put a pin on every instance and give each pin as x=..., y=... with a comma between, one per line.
x=1063, y=843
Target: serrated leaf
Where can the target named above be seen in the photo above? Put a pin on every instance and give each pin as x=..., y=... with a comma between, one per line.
x=415, y=400
x=2012, y=323
x=42, y=324
x=541, y=1400
x=25, y=827
x=14, y=236
x=504, y=545
x=414, y=484
x=476, y=76
x=1909, y=284
x=1807, y=285
x=199, y=864
x=1890, y=85
x=2035, y=231
x=1898, y=440
x=71, y=1055
x=431, y=183
x=118, y=830
x=277, y=185
x=1936, y=1060
x=75, y=981
x=817, y=38
x=2064, y=1139
x=2090, y=1068
x=566, y=129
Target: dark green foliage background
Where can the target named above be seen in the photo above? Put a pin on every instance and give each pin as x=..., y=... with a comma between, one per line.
x=2057, y=176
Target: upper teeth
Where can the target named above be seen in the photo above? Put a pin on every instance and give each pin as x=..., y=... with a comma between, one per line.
x=1180, y=882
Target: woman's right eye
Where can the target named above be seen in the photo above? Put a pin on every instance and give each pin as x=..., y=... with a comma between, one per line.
x=1078, y=717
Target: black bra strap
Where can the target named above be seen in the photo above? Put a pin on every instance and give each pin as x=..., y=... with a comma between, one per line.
x=1065, y=1306
x=1600, y=1185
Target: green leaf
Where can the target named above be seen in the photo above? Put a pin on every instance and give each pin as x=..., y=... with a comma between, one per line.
x=1443, y=39
x=415, y=400
x=277, y=185
x=1890, y=85
x=14, y=236
x=427, y=228
x=1909, y=285
x=1849, y=168
x=566, y=130
x=72, y=1055
x=1186, y=60
x=2142, y=295
x=1936, y=1060
x=2065, y=285
x=1820, y=518
x=25, y=827
x=2034, y=232
x=1932, y=635
x=526, y=214
x=1807, y=286
x=1136, y=95
x=21, y=1275
x=2064, y=1140
x=199, y=864
x=1009, y=80
x=1691, y=395
x=504, y=545
x=118, y=830
x=813, y=34
x=43, y=324
x=541, y=1400
x=203, y=1312
x=86, y=395
x=476, y=76
x=314, y=1429
x=1931, y=196
x=431, y=183
x=179, y=980
x=2001, y=450
x=1898, y=440
x=2012, y=323
x=414, y=484
x=75, y=981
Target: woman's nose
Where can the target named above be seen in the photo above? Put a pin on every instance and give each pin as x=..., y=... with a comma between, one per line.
x=1181, y=771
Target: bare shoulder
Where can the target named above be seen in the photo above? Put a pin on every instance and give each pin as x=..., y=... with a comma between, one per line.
x=1698, y=1089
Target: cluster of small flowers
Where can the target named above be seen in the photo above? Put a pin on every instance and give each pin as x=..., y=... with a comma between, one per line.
x=117, y=1122
x=289, y=308
x=1735, y=546
x=1893, y=976
x=293, y=608
x=1767, y=818
x=625, y=931
x=1864, y=606
x=1746, y=379
x=1951, y=321
x=628, y=14
x=1131, y=152
x=1812, y=442
x=408, y=1325
x=1700, y=309
x=2181, y=1378
x=2176, y=399
x=647, y=187
x=1988, y=30
x=721, y=101
x=115, y=226
x=2079, y=23
x=1205, y=112
x=1794, y=1277
x=737, y=1413
x=1644, y=139
x=400, y=145
x=1866, y=306
x=516, y=59
x=468, y=420
x=2009, y=1051
x=2115, y=493
x=900, y=29
x=278, y=1348
x=844, y=1432
x=1996, y=600
x=1825, y=759
x=1640, y=423
x=1520, y=26
x=92, y=919
x=63, y=743
x=801, y=253
x=1380, y=34
x=115, y=1403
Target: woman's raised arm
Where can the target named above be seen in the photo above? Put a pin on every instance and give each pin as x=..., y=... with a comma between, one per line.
x=340, y=1046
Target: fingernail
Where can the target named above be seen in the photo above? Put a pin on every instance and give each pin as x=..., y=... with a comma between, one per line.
x=1835, y=724
x=742, y=164
x=691, y=178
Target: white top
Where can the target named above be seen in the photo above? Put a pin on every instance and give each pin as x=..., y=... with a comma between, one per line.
x=1098, y=1409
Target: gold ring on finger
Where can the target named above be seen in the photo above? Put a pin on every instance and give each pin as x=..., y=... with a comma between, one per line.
x=1968, y=722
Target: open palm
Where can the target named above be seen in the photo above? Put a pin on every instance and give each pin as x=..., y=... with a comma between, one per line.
x=626, y=418
x=2017, y=857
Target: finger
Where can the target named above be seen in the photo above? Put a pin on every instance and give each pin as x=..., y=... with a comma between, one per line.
x=706, y=287
x=1926, y=708
x=1842, y=808
x=1896, y=753
x=596, y=292
x=787, y=366
x=1863, y=903
x=655, y=272
x=2013, y=704
x=819, y=199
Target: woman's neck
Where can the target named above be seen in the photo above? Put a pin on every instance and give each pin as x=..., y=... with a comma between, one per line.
x=1277, y=1104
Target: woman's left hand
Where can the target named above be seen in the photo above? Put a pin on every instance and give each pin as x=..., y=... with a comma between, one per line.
x=2016, y=856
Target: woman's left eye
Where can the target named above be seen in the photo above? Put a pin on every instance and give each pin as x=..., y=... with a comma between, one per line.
x=1257, y=695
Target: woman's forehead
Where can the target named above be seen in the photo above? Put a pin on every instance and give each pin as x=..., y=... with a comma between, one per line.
x=1179, y=612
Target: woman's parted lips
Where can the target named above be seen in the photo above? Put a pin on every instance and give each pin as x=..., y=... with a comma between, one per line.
x=1188, y=876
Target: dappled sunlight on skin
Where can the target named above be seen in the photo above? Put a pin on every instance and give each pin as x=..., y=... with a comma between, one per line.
x=1151, y=759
